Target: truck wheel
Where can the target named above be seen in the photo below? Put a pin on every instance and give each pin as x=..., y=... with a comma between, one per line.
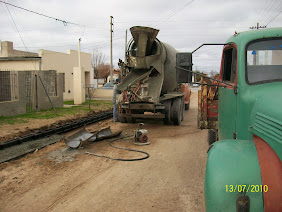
x=176, y=111
x=167, y=112
x=121, y=118
x=182, y=108
x=187, y=106
x=212, y=136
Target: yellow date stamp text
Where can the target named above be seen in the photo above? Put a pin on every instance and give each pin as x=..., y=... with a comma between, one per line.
x=246, y=188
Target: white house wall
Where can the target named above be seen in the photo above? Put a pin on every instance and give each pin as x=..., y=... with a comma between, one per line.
x=50, y=60
x=64, y=63
x=19, y=65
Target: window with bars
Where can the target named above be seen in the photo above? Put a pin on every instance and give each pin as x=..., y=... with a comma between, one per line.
x=50, y=82
x=9, y=90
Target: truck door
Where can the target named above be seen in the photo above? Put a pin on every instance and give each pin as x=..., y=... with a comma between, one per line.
x=227, y=104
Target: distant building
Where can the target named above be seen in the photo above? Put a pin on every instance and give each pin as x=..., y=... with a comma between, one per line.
x=74, y=78
x=116, y=75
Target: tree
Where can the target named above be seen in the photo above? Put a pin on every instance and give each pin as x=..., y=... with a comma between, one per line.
x=97, y=59
x=197, y=76
x=103, y=70
x=213, y=73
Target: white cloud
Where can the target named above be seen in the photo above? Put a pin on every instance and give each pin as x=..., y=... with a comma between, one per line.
x=203, y=21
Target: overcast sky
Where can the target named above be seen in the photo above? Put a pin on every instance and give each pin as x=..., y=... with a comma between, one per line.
x=183, y=24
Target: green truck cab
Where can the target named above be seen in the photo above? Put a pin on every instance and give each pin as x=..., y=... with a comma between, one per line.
x=244, y=169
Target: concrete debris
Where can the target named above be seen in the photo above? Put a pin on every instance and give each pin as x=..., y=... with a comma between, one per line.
x=76, y=140
x=27, y=147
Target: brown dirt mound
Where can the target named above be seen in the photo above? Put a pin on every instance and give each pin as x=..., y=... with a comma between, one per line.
x=20, y=130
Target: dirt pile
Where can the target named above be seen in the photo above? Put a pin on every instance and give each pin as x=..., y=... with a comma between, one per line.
x=40, y=125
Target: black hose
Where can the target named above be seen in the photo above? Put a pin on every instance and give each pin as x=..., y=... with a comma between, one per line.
x=120, y=159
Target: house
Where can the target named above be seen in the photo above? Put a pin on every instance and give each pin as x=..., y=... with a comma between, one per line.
x=75, y=78
x=116, y=75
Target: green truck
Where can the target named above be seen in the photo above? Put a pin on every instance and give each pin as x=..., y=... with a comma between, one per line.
x=244, y=169
x=242, y=109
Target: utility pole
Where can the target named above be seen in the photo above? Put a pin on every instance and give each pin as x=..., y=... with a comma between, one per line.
x=257, y=27
x=111, y=68
x=79, y=65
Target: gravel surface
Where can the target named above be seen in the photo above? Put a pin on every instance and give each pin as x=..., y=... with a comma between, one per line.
x=171, y=179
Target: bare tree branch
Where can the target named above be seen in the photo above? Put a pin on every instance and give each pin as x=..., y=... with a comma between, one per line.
x=97, y=59
x=103, y=70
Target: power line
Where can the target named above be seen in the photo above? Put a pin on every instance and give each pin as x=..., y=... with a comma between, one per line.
x=16, y=27
x=20, y=35
x=174, y=13
x=274, y=13
x=269, y=8
x=123, y=29
x=191, y=20
x=200, y=27
x=55, y=28
x=57, y=19
x=210, y=27
x=47, y=16
x=264, y=9
x=96, y=43
x=161, y=35
x=274, y=18
x=265, y=3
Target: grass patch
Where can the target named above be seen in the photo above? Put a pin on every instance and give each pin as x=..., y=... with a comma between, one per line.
x=95, y=105
x=68, y=103
x=10, y=120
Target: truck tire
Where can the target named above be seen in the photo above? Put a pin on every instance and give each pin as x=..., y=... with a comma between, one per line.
x=182, y=108
x=187, y=106
x=167, y=112
x=212, y=136
x=176, y=111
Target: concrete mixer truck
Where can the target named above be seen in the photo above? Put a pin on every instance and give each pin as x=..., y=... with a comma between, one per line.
x=151, y=87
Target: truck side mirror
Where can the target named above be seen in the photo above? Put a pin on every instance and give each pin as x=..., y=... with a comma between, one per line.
x=184, y=60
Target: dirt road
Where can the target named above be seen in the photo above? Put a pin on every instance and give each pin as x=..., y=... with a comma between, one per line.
x=55, y=179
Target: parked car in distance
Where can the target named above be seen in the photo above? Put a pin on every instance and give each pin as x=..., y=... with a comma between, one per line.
x=196, y=85
x=108, y=85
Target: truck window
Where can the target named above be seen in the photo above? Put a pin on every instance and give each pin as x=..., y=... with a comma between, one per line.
x=229, y=65
x=264, y=61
